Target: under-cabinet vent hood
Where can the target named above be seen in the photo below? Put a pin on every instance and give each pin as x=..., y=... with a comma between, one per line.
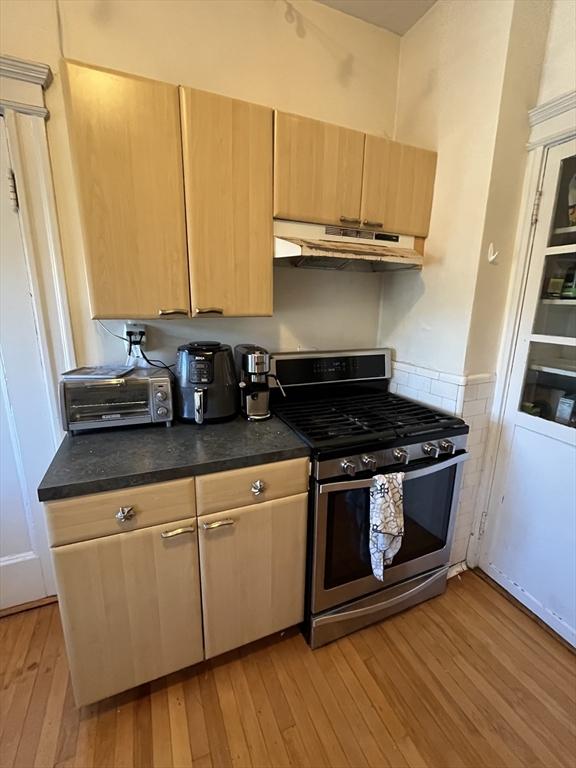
x=315, y=246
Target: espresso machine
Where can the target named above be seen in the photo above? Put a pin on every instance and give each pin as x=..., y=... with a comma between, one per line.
x=253, y=368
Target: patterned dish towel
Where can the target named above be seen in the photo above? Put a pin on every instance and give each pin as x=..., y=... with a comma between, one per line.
x=386, y=520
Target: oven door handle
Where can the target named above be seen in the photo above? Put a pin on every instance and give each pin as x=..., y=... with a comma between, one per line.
x=351, y=485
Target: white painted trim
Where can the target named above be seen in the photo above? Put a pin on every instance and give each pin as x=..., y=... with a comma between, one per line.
x=19, y=558
x=31, y=165
x=551, y=140
x=552, y=108
x=534, y=605
x=517, y=285
x=27, y=71
x=25, y=109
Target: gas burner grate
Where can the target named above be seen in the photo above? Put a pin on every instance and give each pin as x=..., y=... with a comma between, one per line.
x=348, y=420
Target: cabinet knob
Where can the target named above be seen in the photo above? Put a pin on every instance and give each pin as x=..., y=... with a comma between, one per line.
x=124, y=514
x=258, y=487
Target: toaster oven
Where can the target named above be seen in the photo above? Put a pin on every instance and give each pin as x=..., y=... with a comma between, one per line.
x=140, y=396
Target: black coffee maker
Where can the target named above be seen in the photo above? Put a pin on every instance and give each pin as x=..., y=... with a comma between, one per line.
x=206, y=385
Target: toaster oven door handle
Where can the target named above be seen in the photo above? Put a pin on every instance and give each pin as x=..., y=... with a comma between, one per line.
x=351, y=485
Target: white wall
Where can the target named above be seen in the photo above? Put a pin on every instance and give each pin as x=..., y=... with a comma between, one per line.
x=451, y=72
x=559, y=69
x=299, y=56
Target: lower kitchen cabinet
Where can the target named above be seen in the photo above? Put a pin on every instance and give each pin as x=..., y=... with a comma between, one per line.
x=252, y=563
x=130, y=607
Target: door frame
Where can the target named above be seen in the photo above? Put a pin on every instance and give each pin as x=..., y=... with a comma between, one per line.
x=552, y=123
x=24, y=116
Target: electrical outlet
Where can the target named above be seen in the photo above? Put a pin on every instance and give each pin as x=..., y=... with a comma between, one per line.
x=138, y=330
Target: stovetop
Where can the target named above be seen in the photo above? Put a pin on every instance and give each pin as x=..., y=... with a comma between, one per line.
x=362, y=420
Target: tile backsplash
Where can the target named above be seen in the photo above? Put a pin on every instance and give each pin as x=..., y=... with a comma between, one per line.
x=469, y=397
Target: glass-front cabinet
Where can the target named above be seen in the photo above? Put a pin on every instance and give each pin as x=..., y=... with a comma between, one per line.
x=549, y=390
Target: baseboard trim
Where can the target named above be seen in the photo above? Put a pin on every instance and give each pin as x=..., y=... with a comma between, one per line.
x=28, y=606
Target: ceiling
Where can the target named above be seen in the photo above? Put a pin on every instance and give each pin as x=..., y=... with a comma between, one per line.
x=395, y=15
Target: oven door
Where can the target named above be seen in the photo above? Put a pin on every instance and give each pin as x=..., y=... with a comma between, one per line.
x=341, y=565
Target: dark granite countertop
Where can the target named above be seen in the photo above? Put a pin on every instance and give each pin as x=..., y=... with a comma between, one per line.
x=124, y=457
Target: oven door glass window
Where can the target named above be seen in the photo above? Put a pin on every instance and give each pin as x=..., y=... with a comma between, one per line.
x=106, y=401
x=427, y=505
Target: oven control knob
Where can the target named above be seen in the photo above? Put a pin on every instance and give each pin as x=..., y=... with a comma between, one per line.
x=431, y=449
x=161, y=395
x=162, y=411
x=369, y=462
x=447, y=446
x=401, y=455
x=349, y=467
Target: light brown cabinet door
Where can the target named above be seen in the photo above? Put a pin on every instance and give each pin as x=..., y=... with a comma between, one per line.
x=252, y=563
x=227, y=147
x=130, y=607
x=125, y=135
x=397, y=187
x=317, y=171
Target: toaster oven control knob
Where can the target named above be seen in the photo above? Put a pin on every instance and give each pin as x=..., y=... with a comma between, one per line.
x=401, y=455
x=369, y=462
x=349, y=467
x=431, y=449
x=162, y=411
x=161, y=395
x=447, y=446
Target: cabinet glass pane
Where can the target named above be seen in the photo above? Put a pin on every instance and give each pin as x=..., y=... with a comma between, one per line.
x=556, y=312
x=563, y=230
x=550, y=383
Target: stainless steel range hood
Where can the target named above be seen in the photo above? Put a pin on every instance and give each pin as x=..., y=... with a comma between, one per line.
x=315, y=246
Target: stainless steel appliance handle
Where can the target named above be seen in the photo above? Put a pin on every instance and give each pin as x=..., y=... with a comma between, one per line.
x=208, y=311
x=385, y=604
x=166, y=312
x=218, y=524
x=350, y=485
x=198, y=406
x=177, y=532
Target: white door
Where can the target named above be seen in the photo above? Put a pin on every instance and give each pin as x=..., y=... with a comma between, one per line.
x=28, y=439
x=530, y=543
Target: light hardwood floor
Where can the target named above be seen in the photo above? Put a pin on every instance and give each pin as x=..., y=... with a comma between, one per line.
x=466, y=679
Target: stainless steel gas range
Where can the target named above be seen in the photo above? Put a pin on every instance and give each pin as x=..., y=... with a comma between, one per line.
x=339, y=403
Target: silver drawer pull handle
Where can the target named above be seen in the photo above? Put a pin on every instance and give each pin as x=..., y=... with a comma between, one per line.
x=368, y=223
x=177, y=532
x=258, y=487
x=124, y=514
x=208, y=311
x=218, y=524
x=164, y=312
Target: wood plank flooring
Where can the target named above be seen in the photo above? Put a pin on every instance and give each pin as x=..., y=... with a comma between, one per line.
x=465, y=680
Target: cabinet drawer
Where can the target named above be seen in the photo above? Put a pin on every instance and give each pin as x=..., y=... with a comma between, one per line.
x=89, y=517
x=251, y=485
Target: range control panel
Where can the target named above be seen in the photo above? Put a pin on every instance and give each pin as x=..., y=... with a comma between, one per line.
x=295, y=369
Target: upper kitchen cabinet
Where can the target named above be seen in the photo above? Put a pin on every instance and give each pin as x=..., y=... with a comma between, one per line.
x=397, y=187
x=227, y=149
x=317, y=171
x=125, y=135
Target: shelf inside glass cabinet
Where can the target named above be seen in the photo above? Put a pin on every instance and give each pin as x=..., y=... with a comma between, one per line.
x=556, y=311
x=550, y=383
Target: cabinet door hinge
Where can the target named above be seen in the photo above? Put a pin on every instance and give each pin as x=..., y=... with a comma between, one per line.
x=536, y=207
x=13, y=190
